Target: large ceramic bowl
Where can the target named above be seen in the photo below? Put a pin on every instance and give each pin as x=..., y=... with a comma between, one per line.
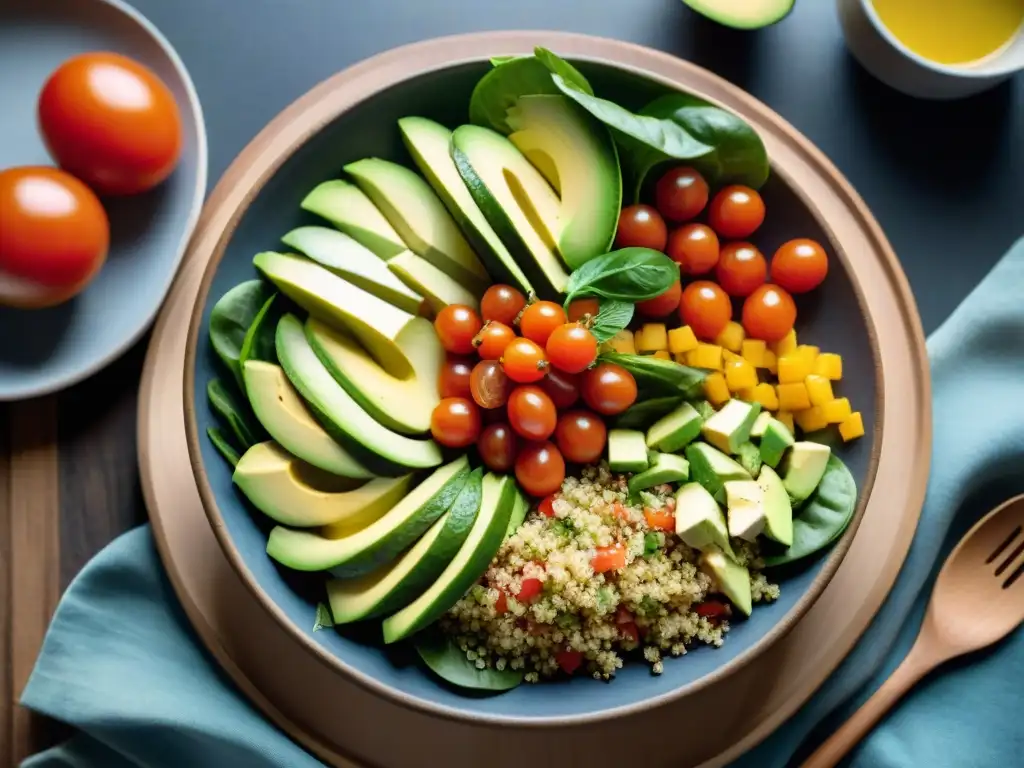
x=354, y=116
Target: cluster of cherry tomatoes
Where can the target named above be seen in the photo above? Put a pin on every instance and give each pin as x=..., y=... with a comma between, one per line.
x=515, y=395
x=720, y=246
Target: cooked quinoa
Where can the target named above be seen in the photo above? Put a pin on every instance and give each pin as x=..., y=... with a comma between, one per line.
x=569, y=615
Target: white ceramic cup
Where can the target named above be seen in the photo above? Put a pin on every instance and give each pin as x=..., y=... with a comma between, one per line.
x=885, y=57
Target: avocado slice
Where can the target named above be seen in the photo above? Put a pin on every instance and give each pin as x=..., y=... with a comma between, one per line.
x=517, y=202
x=778, y=511
x=665, y=468
x=287, y=419
x=435, y=286
x=404, y=405
x=395, y=585
x=374, y=322
x=380, y=542
x=774, y=442
x=675, y=430
x=731, y=579
x=627, y=451
x=519, y=511
x=745, y=507
x=749, y=457
x=760, y=425
x=355, y=263
x=699, y=520
x=384, y=451
x=803, y=469
x=349, y=209
x=743, y=14
x=712, y=468
x=730, y=427
x=419, y=216
x=292, y=492
x=576, y=154
x=475, y=554
x=429, y=143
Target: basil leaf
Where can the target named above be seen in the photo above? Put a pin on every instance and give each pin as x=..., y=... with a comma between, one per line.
x=739, y=155
x=823, y=517
x=641, y=415
x=231, y=318
x=223, y=445
x=449, y=662
x=499, y=89
x=612, y=317
x=323, y=619
x=236, y=412
x=660, y=378
x=559, y=66
x=259, y=341
x=643, y=141
x=629, y=274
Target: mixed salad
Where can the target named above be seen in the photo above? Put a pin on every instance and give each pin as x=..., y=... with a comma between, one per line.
x=520, y=424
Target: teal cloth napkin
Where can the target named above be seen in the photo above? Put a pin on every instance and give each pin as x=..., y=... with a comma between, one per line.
x=122, y=664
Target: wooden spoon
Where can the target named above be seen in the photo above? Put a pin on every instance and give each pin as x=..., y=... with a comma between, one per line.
x=978, y=599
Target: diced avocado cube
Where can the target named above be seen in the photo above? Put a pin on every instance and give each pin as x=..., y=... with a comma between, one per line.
x=749, y=457
x=705, y=409
x=730, y=427
x=699, y=520
x=745, y=502
x=731, y=579
x=778, y=511
x=774, y=442
x=712, y=468
x=760, y=425
x=803, y=469
x=627, y=450
x=665, y=468
x=675, y=430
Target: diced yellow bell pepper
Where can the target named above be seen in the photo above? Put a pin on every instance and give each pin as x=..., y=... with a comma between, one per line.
x=683, y=358
x=728, y=357
x=652, y=337
x=662, y=354
x=764, y=394
x=716, y=390
x=771, y=362
x=739, y=374
x=837, y=411
x=681, y=340
x=793, y=369
x=622, y=342
x=811, y=419
x=807, y=351
x=706, y=356
x=852, y=427
x=829, y=365
x=819, y=389
x=785, y=345
x=753, y=351
x=794, y=397
x=732, y=336
x=786, y=418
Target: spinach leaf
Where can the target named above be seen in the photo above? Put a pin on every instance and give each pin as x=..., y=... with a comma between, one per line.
x=231, y=318
x=497, y=61
x=823, y=517
x=641, y=415
x=449, y=662
x=559, y=66
x=659, y=378
x=627, y=275
x=324, y=619
x=643, y=141
x=259, y=339
x=739, y=156
x=500, y=88
x=612, y=317
x=223, y=445
x=236, y=413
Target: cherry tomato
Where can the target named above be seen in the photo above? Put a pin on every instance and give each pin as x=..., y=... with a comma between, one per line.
x=741, y=268
x=705, y=308
x=456, y=325
x=455, y=422
x=54, y=236
x=608, y=388
x=547, y=506
x=489, y=385
x=571, y=348
x=524, y=361
x=663, y=304
x=580, y=308
x=569, y=661
x=498, y=445
x=563, y=388
x=531, y=413
x=530, y=589
x=454, y=379
x=799, y=265
x=540, y=468
x=111, y=122
x=640, y=226
x=711, y=610
x=610, y=558
x=502, y=303
x=694, y=248
x=736, y=212
x=581, y=436
x=681, y=194
x=769, y=313
x=660, y=519
x=492, y=339
x=540, y=319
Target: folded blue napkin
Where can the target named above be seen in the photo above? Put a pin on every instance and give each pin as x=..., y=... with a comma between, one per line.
x=122, y=664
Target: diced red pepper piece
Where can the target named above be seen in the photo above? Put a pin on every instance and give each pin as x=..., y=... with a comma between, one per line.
x=623, y=615
x=531, y=588
x=712, y=609
x=501, y=604
x=630, y=631
x=569, y=661
x=660, y=519
x=609, y=558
